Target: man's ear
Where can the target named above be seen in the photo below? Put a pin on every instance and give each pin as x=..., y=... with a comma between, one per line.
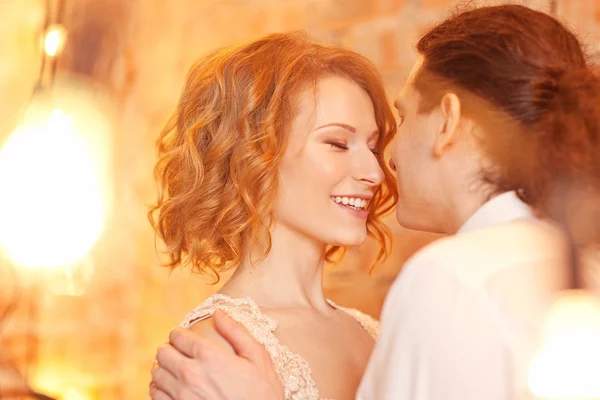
x=451, y=113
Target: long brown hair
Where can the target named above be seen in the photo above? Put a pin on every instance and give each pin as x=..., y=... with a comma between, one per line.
x=527, y=75
x=219, y=155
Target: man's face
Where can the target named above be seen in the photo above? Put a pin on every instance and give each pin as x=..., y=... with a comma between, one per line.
x=417, y=170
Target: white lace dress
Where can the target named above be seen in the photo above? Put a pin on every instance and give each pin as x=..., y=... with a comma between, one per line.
x=293, y=370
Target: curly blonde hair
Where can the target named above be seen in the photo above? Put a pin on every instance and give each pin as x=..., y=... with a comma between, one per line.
x=217, y=171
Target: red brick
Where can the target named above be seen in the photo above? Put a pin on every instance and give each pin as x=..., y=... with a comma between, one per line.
x=429, y=4
x=389, y=49
x=387, y=7
x=341, y=13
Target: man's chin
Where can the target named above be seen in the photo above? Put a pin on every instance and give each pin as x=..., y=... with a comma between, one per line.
x=408, y=222
x=405, y=221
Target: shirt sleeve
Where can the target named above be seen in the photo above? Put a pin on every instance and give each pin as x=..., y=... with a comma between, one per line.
x=438, y=341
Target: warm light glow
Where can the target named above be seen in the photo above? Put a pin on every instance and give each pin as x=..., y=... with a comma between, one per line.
x=51, y=211
x=567, y=365
x=62, y=383
x=54, y=40
x=72, y=394
x=54, y=184
x=72, y=279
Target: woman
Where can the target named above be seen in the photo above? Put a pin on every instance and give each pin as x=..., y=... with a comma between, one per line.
x=501, y=110
x=271, y=165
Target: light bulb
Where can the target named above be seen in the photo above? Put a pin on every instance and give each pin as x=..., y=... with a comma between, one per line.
x=54, y=181
x=54, y=40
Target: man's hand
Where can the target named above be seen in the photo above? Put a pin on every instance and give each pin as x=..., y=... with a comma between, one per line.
x=191, y=367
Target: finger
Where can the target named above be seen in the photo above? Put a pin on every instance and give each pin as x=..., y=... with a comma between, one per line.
x=157, y=394
x=189, y=343
x=242, y=342
x=170, y=359
x=164, y=381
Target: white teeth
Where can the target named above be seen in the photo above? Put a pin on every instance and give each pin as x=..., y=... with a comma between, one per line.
x=351, y=201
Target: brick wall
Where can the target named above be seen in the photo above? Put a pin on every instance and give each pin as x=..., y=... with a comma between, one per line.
x=103, y=341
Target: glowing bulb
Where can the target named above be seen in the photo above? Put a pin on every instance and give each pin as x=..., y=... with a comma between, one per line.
x=51, y=200
x=567, y=365
x=54, y=183
x=54, y=40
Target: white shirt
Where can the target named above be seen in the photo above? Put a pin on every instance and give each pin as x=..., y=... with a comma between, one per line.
x=461, y=320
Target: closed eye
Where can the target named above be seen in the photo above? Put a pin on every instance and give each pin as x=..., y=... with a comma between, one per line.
x=340, y=146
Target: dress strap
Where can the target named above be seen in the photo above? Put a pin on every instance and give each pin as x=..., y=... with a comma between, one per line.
x=370, y=324
x=293, y=370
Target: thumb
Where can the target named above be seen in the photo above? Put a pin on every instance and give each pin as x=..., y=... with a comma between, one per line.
x=242, y=342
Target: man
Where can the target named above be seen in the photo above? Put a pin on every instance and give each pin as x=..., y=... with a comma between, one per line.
x=462, y=319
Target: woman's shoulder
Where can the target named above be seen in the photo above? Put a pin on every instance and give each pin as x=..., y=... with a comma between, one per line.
x=206, y=329
x=370, y=324
x=211, y=304
x=242, y=309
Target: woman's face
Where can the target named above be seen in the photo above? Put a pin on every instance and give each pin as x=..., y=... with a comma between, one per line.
x=329, y=171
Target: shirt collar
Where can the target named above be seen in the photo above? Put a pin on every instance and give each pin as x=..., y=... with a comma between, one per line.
x=503, y=208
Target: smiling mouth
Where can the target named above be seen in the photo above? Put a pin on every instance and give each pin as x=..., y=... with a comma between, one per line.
x=351, y=202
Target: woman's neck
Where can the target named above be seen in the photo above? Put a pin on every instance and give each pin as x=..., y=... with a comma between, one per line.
x=289, y=276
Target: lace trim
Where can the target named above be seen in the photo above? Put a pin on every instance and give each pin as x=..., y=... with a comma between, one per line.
x=370, y=324
x=293, y=370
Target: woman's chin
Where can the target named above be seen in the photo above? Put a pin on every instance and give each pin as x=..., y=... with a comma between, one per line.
x=350, y=239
